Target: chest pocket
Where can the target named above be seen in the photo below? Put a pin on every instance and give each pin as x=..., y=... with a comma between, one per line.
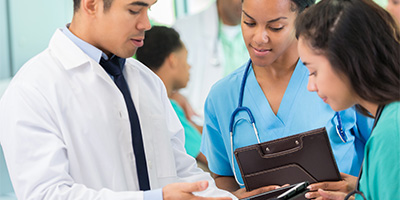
x=161, y=147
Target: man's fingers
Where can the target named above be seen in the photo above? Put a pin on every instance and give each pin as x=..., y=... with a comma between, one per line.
x=213, y=198
x=284, y=185
x=261, y=190
x=194, y=187
x=184, y=191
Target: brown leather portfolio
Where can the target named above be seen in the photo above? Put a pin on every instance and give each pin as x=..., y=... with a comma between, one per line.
x=302, y=157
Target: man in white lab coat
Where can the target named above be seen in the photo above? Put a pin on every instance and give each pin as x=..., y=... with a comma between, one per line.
x=215, y=44
x=64, y=124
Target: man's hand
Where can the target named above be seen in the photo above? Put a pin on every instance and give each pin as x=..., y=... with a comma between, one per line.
x=184, y=191
x=228, y=183
x=345, y=186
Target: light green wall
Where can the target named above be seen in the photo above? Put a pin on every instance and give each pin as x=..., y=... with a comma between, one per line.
x=382, y=3
x=4, y=45
x=6, y=188
x=32, y=25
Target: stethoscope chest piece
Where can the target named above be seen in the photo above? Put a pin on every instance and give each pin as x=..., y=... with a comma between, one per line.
x=214, y=61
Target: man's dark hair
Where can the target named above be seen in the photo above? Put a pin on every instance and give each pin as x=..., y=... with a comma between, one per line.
x=107, y=4
x=361, y=41
x=159, y=43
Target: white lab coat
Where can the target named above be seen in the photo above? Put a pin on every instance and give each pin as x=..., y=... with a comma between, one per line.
x=66, y=135
x=200, y=35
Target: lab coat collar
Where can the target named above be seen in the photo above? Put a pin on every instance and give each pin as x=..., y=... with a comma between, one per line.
x=89, y=49
x=72, y=57
x=69, y=54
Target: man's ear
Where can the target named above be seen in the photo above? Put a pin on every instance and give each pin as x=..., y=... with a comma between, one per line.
x=91, y=6
x=172, y=61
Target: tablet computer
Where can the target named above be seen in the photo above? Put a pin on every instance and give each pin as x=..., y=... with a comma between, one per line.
x=290, y=192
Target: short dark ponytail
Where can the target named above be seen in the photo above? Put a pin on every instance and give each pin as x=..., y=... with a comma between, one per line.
x=159, y=43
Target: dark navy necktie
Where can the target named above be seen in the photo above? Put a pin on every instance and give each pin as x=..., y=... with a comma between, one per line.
x=113, y=67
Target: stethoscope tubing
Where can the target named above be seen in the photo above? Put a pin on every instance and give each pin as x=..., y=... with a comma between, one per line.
x=239, y=109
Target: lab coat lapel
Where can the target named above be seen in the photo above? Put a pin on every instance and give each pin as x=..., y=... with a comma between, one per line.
x=72, y=57
x=66, y=51
x=133, y=80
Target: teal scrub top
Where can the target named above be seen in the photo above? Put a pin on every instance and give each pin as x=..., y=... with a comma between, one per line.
x=192, y=135
x=299, y=111
x=380, y=178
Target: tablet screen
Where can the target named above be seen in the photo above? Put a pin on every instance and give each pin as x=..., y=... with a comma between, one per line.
x=273, y=194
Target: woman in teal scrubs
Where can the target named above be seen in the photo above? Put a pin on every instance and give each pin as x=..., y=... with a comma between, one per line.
x=276, y=94
x=354, y=59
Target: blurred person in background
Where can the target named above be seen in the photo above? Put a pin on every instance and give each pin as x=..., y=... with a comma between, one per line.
x=165, y=54
x=215, y=44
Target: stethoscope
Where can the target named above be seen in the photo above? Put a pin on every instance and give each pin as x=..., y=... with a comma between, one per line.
x=240, y=108
x=215, y=59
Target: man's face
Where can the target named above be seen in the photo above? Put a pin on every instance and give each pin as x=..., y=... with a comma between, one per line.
x=120, y=29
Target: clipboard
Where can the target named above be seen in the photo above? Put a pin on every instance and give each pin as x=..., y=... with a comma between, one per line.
x=302, y=157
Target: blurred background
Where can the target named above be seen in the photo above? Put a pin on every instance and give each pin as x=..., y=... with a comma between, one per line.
x=26, y=27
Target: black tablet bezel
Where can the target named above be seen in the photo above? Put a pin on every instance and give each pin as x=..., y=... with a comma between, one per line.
x=274, y=193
